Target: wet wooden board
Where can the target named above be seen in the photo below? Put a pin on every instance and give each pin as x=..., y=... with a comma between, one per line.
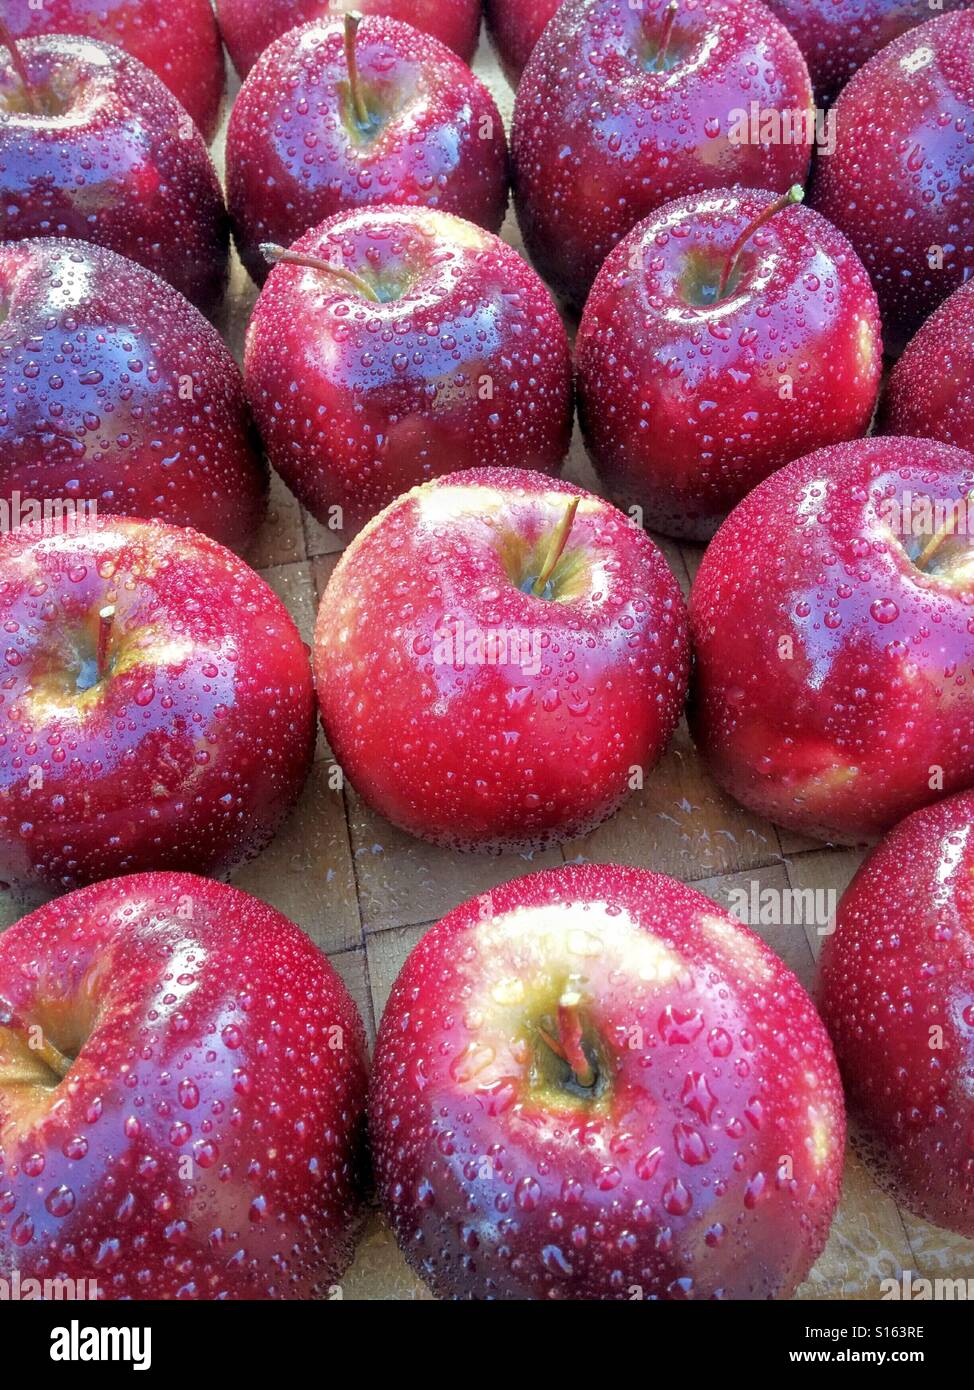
x=365, y=891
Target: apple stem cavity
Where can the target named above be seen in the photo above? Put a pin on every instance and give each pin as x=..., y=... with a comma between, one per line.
x=794, y=195
x=275, y=254
x=558, y=542
x=669, y=18
x=106, y=617
x=19, y=67
x=36, y=1041
x=359, y=106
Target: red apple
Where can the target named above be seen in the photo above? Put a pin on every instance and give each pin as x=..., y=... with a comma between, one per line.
x=898, y=183
x=897, y=994
x=837, y=37
x=332, y=119
x=157, y=705
x=182, y=1096
x=515, y=27
x=93, y=146
x=930, y=391
x=834, y=638
x=593, y=1083
x=250, y=26
x=177, y=39
x=728, y=334
x=116, y=392
x=394, y=344
x=500, y=657
x=623, y=108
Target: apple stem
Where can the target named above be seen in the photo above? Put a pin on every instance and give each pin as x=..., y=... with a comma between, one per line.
x=568, y=1045
x=570, y=1033
x=939, y=536
x=105, y=618
x=19, y=66
x=669, y=18
x=794, y=195
x=352, y=22
x=35, y=1040
x=274, y=254
x=558, y=542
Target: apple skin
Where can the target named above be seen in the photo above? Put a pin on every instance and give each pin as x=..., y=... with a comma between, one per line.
x=930, y=391
x=837, y=37
x=897, y=183
x=540, y=743
x=191, y=748
x=357, y=402
x=831, y=675
x=503, y=1179
x=681, y=400
x=599, y=143
x=515, y=27
x=122, y=166
x=900, y=964
x=177, y=39
x=96, y=354
x=292, y=161
x=250, y=26
x=208, y=1033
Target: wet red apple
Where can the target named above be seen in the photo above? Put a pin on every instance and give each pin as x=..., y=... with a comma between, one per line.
x=594, y=1084
x=898, y=183
x=157, y=704
x=624, y=107
x=336, y=116
x=116, y=394
x=393, y=344
x=930, y=391
x=837, y=37
x=93, y=146
x=177, y=39
x=250, y=26
x=833, y=625
x=515, y=27
x=182, y=1096
x=500, y=657
x=728, y=334
x=897, y=994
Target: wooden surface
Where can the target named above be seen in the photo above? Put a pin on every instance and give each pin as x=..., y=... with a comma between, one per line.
x=365, y=891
